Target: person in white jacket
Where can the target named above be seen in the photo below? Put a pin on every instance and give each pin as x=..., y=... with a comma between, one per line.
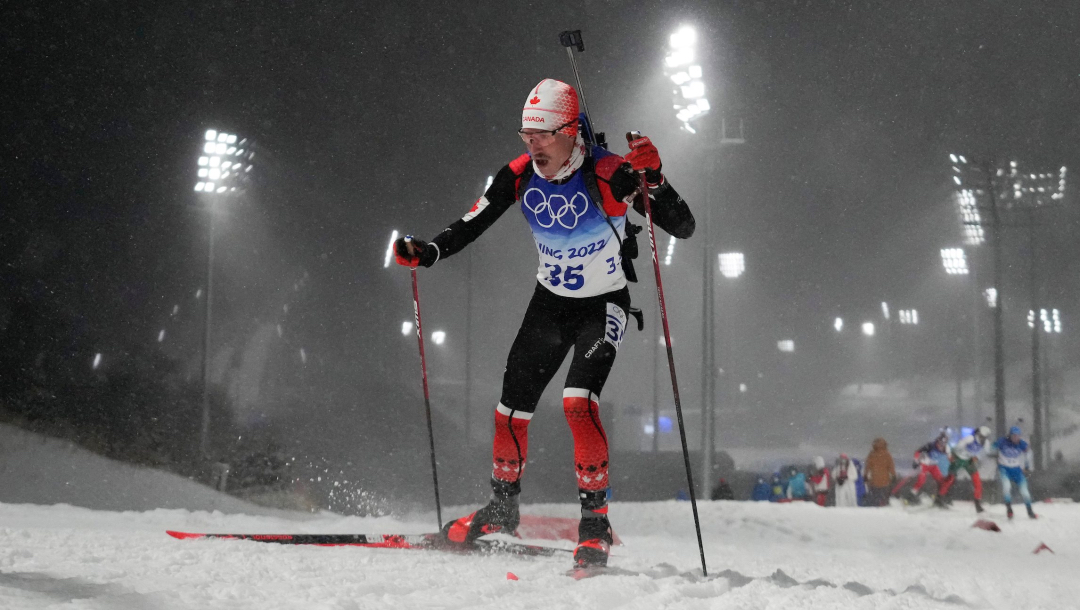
x=845, y=474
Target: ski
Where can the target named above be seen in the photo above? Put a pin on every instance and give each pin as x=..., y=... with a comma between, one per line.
x=433, y=542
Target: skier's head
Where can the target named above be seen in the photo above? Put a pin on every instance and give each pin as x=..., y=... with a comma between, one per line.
x=549, y=124
x=819, y=462
x=983, y=432
x=1014, y=434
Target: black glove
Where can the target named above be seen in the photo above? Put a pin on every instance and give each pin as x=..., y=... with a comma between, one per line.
x=410, y=252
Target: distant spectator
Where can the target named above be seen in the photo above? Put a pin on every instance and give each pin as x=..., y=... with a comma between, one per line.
x=796, y=485
x=819, y=481
x=723, y=491
x=762, y=491
x=845, y=474
x=880, y=473
x=777, y=491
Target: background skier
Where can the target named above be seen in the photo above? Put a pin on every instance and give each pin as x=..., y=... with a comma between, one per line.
x=575, y=201
x=965, y=456
x=931, y=459
x=1014, y=462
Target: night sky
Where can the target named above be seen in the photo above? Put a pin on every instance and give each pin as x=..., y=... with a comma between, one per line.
x=372, y=117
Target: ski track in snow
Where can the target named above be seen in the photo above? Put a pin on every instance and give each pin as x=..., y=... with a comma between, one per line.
x=760, y=556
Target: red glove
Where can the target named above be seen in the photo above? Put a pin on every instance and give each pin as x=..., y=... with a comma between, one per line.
x=411, y=252
x=643, y=156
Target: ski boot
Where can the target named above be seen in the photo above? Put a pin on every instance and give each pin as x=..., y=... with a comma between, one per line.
x=594, y=541
x=500, y=516
x=911, y=497
x=1008, y=510
x=939, y=501
x=1031, y=513
x=978, y=506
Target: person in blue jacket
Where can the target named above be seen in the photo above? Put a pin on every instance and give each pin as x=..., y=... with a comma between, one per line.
x=1014, y=462
x=777, y=491
x=762, y=491
x=796, y=485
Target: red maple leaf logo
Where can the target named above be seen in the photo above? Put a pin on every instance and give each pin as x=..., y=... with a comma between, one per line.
x=535, y=100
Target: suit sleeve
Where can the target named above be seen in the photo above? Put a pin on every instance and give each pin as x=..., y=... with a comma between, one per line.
x=670, y=212
x=488, y=208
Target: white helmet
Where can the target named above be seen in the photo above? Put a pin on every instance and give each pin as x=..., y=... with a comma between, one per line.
x=984, y=431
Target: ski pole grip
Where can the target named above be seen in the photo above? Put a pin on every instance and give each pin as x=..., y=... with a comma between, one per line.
x=572, y=38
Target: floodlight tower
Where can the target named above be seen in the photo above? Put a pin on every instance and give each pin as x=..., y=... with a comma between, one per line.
x=223, y=170
x=682, y=66
x=1007, y=190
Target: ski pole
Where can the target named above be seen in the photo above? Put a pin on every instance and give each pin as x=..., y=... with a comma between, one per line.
x=427, y=396
x=671, y=365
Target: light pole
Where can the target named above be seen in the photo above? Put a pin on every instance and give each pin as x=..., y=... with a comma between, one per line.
x=224, y=168
x=955, y=262
x=682, y=67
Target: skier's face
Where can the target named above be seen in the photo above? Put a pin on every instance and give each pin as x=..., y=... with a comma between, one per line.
x=550, y=155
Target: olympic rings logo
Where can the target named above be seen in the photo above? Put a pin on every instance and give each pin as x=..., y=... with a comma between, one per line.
x=556, y=208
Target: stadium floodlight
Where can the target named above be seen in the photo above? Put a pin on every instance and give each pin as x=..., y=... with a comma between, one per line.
x=680, y=65
x=908, y=316
x=97, y=361
x=390, y=249
x=406, y=328
x=219, y=163
x=438, y=337
x=868, y=329
x=838, y=324
x=1049, y=319
x=954, y=260
x=786, y=345
x=885, y=310
x=732, y=264
x=991, y=297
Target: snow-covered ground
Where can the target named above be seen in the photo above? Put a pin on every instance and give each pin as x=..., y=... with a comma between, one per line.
x=55, y=555
x=760, y=556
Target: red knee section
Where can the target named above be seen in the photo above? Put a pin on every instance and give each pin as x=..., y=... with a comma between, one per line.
x=943, y=486
x=590, y=441
x=511, y=447
x=933, y=471
x=976, y=483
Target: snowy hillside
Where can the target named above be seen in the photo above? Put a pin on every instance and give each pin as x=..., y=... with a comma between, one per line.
x=42, y=470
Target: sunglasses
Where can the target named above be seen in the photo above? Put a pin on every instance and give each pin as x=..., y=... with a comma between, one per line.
x=545, y=137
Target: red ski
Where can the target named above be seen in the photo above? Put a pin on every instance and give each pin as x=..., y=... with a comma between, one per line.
x=385, y=541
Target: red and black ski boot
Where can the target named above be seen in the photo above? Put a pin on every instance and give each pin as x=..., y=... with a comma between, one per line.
x=594, y=542
x=500, y=516
x=978, y=506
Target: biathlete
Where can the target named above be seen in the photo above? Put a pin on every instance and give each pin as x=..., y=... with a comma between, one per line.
x=931, y=459
x=575, y=199
x=1014, y=462
x=965, y=456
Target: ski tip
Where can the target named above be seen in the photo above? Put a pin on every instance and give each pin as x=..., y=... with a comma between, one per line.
x=511, y=576
x=182, y=535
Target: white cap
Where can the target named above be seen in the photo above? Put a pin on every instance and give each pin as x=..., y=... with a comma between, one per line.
x=550, y=105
